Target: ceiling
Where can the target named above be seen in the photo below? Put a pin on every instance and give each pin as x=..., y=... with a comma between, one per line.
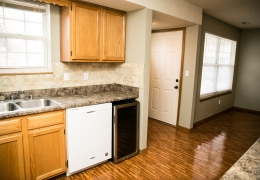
x=160, y=20
x=230, y=11
x=163, y=21
x=117, y=4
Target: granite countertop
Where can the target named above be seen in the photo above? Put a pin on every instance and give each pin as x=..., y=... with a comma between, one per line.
x=247, y=167
x=73, y=101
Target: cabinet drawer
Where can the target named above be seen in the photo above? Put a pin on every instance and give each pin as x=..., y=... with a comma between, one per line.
x=10, y=126
x=44, y=120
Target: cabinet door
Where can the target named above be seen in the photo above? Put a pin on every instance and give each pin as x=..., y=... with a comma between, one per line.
x=47, y=151
x=113, y=36
x=85, y=32
x=11, y=157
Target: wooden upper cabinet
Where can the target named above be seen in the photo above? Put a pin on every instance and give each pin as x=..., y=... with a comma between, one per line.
x=85, y=32
x=91, y=33
x=113, y=36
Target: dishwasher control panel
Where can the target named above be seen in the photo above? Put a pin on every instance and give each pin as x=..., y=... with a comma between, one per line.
x=89, y=108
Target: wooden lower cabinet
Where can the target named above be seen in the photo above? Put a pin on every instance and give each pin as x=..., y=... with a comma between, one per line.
x=32, y=147
x=47, y=151
x=11, y=157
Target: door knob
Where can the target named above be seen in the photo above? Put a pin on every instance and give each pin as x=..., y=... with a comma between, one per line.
x=175, y=87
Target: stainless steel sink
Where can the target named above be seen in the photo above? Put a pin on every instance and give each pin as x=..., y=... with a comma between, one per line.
x=35, y=103
x=8, y=106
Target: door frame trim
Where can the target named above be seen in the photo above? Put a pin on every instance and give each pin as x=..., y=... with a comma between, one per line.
x=183, y=29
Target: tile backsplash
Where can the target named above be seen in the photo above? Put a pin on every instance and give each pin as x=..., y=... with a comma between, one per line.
x=98, y=73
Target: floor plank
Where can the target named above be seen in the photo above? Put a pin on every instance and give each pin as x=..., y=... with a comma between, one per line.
x=207, y=152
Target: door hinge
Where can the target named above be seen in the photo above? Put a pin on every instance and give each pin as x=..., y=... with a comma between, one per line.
x=70, y=53
x=71, y=8
x=64, y=131
x=67, y=163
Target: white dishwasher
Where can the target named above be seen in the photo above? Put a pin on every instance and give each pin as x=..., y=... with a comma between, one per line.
x=89, y=136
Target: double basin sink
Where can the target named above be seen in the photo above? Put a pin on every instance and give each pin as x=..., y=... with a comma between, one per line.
x=26, y=104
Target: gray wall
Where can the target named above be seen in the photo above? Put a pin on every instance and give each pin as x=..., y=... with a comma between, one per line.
x=210, y=107
x=248, y=78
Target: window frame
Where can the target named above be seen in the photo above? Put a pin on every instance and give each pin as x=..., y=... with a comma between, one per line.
x=5, y=70
x=215, y=94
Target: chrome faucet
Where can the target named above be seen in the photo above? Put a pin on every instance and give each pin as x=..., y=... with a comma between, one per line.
x=14, y=96
x=31, y=96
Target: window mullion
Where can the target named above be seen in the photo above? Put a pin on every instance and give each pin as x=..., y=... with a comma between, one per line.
x=44, y=42
x=6, y=54
x=217, y=64
x=26, y=55
x=19, y=36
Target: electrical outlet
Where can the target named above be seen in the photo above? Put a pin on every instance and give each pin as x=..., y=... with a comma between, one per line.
x=66, y=77
x=85, y=76
x=219, y=101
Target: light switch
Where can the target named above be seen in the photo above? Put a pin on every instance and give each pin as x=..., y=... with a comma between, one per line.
x=187, y=73
x=66, y=77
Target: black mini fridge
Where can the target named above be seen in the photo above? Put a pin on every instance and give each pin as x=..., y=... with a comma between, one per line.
x=125, y=130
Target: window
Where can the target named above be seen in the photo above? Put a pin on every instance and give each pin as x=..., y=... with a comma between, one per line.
x=218, y=65
x=23, y=37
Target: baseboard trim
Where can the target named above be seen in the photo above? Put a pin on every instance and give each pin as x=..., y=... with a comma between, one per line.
x=161, y=122
x=246, y=110
x=183, y=128
x=142, y=151
x=203, y=121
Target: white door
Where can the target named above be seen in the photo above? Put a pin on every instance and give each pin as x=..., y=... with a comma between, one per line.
x=166, y=52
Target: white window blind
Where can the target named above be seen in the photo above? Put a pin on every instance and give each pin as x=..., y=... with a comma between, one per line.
x=218, y=65
x=23, y=35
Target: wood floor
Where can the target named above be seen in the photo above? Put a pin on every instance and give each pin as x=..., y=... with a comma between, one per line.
x=207, y=152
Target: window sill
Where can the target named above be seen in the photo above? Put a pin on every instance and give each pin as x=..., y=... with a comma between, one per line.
x=5, y=72
x=214, y=96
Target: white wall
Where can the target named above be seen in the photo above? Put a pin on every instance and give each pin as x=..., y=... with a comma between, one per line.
x=248, y=79
x=55, y=33
x=188, y=92
x=138, y=47
x=177, y=8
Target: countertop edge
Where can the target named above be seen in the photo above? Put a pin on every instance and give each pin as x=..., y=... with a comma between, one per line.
x=247, y=167
x=63, y=106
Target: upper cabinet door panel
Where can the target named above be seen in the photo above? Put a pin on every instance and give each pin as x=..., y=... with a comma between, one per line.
x=113, y=36
x=85, y=32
